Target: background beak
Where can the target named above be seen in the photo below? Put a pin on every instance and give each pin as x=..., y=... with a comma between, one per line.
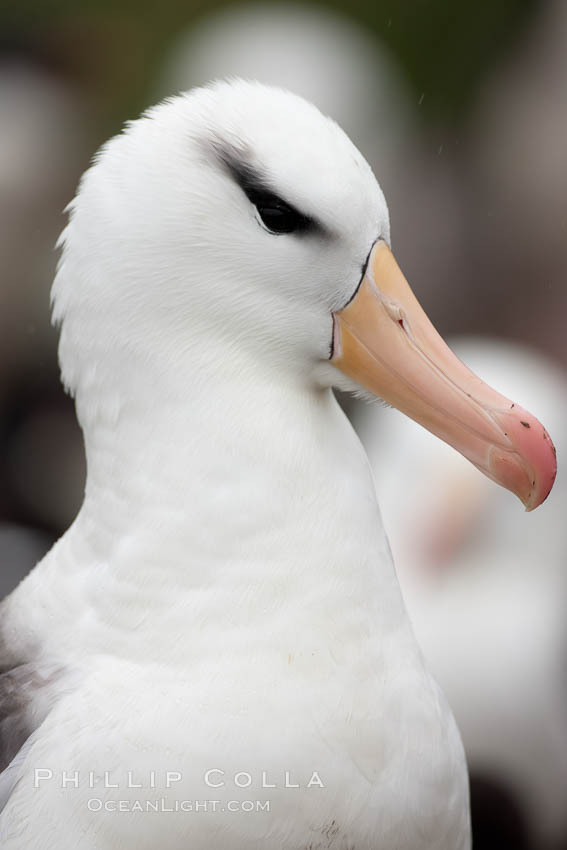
x=384, y=341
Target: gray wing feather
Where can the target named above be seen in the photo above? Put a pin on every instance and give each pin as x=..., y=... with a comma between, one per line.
x=11, y=774
x=29, y=687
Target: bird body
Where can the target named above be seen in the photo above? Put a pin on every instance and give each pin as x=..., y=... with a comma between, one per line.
x=271, y=644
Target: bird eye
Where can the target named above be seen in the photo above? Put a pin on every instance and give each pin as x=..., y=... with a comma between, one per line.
x=278, y=217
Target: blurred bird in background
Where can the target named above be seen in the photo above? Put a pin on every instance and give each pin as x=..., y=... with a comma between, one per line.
x=485, y=590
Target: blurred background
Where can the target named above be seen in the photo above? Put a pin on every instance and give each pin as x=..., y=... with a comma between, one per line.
x=461, y=109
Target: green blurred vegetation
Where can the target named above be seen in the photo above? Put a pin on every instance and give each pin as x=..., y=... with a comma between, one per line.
x=112, y=48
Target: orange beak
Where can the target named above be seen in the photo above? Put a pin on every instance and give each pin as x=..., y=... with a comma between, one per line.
x=384, y=342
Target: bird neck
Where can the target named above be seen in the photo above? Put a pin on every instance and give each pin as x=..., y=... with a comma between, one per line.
x=238, y=497
x=217, y=455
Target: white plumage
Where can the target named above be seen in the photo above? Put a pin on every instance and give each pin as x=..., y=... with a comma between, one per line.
x=225, y=599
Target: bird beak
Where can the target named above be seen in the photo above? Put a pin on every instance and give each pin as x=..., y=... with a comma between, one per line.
x=384, y=342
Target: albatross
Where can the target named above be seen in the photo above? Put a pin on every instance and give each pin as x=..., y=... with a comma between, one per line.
x=216, y=653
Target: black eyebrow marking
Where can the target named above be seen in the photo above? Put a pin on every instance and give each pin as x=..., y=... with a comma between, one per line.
x=238, y=165
x=256, y=186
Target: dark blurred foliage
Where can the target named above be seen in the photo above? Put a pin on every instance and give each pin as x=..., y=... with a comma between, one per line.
x=112, y=48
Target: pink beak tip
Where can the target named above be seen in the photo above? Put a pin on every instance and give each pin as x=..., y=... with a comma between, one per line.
x=544, y=461
x=529, y=466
